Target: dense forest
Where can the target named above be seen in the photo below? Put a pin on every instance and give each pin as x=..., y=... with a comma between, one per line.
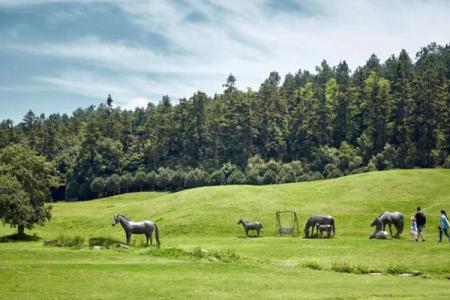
x=307, y=126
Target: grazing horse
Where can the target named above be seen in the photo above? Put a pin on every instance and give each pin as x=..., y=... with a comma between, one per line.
x=322, y=228
x=392, y=218
x=378, y=233
x=144, y=227
x=319, y=220
x=250, y=226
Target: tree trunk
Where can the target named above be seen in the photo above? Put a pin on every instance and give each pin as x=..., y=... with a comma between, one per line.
x=20, y=230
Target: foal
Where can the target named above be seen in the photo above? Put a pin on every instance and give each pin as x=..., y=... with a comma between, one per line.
x=328, y=228
x=250, y=226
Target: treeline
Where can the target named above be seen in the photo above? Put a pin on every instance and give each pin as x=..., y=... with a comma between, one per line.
x=325, y=124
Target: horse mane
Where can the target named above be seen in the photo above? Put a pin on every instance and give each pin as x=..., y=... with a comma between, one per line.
x=123, y=217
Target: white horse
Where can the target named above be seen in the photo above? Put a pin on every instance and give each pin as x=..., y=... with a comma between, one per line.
x=144, y=227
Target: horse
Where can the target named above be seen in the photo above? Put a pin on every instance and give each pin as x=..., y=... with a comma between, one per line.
x=250, y=226
x=144, y=227
x=392, y=218
x=322, y=228
x=320, y=220
x=379, y=233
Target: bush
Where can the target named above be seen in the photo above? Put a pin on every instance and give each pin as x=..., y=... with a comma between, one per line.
x=447, y=162
x=126, y=181
x=237, y=177
x=288, y=176
x=312, y=265
x=139, y=180
x=103, y=242
x=342, y=268
x=270, y=177
x=253, y=177
x=217, y=178
x=75, y=242
x=178, y=180
x=98, y=186
x=331, y=171
x=152, y=179
x=112, y=185
x=164, y=178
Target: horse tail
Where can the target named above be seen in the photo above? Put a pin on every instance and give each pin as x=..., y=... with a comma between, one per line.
x=307, y=226
x=334, y=226
x=157, y=234
x=400, y=225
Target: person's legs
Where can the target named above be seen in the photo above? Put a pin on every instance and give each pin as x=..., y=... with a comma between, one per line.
x=419, y=233
x=440, y=234
x=446, y=233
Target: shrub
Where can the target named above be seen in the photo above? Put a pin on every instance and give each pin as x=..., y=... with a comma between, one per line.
x=106, y=242
x=237, y=177
x=112, y=185
x=126, y=181
x=178, y=180
x=139, y=180
x=341, y=268
x=98, y=186
x=270, y=177
x=151, y=180
x=253, y=177
x=217, y=178
x=331, y=171
x=312, y=265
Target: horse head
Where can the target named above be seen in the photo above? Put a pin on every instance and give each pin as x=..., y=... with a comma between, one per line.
x=240, y=221
x=376, y=221
x=116, y=219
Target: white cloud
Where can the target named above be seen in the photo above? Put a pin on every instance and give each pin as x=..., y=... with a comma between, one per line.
x=241, y=37
x=134, y=103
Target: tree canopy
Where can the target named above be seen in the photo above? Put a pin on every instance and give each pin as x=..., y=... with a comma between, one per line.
x=322, y=124
x=25, y=182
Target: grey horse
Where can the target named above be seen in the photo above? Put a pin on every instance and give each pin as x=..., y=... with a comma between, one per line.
x=318, y=220
x=144, y=227
x=379, y=233
x=250, y=226
x=392, y=218
x=327, y=228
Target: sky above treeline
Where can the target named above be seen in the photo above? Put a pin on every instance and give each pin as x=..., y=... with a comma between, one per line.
x=56, y=56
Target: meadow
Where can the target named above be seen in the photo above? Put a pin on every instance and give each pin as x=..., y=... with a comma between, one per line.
x=205, y=255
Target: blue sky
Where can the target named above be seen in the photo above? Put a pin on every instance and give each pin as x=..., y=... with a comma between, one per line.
x=58, y=55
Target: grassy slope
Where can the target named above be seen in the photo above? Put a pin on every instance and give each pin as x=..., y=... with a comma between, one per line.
x=206, y=217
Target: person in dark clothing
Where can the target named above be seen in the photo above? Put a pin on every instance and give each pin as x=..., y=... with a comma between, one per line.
x=420, y=220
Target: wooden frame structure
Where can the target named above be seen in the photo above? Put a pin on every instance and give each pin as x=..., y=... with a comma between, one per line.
x=293, y=229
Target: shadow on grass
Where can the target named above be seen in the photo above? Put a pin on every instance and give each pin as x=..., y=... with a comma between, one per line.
x=19, y=238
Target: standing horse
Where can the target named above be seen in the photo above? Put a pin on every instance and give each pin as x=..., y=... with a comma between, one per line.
x=327, y=228
x=144, y=227
x=250, y=226
x=378, y=233
x=318, y=220
x=392, y=218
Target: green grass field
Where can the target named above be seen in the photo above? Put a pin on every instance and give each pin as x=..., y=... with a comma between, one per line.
x=204, y=254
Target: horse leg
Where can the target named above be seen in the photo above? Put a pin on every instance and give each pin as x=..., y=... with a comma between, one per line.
x=128, y=238
x=390, y=229
x=246, y=232
x=257, y=232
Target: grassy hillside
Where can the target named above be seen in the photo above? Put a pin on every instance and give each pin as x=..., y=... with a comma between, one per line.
x=206, y=218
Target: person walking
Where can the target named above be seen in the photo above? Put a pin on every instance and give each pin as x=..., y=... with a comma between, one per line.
x=443, y=226
x=420, y=221
x=413, y=228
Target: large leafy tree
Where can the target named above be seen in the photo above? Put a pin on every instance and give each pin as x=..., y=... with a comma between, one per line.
x=26, y=179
